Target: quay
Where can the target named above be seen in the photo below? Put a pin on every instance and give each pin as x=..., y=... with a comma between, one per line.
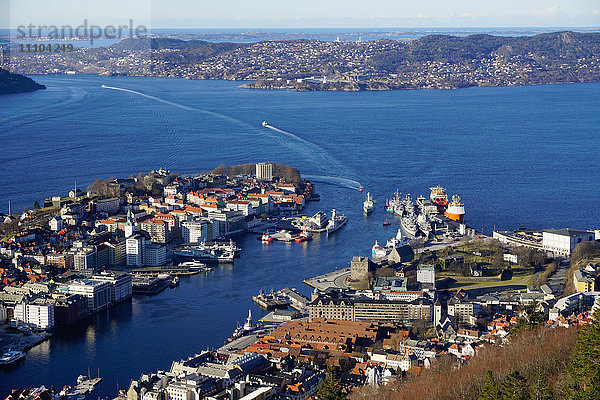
x=335, y=279
x=270, y=301
x=149, y=286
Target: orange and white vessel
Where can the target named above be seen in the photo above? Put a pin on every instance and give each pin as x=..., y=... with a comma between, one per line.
x=455, y=210
x=438, y=196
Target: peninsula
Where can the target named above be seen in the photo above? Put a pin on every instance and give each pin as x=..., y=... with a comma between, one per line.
x=15, y=83
x=429, y=62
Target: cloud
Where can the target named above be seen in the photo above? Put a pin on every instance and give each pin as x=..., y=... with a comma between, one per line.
x=423, y=15
x=548, y=12
x=596, y=12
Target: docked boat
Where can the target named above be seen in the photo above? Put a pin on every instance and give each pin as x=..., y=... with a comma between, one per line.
x=11, y=357
x=438, y=197
x=394, y=203
x=303, y=236
x=336, y=222
x=201, y=254
x=266, y=237
x=192, y=265
x=368, y=204
x=455, y=210
x=244, y=330
x=175, y=282
x=409, y=223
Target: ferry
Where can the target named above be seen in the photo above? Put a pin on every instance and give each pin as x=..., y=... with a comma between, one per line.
x=335, y=222
x=11, y=356
x=368, y=204
x=303, y=237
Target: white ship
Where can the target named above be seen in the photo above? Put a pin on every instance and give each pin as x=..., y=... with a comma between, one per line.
x=10, y=357
x=336, y=222
x=368, y=204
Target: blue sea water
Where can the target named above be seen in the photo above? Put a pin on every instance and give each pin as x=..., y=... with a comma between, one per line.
x=518, y=156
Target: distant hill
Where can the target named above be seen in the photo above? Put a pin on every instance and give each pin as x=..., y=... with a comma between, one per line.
x=547, y=48
x=14, y=83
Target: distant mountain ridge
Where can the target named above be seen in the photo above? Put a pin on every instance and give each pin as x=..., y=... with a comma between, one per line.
x=15, y=83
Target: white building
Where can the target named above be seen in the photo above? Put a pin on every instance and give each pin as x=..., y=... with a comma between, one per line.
x=56, y=223
x=426, y=276
x=120, y=284
x=264, y=171
x=134, y=249
x=196, y=231
x=39, y=315
x=563, y=241
x=97, y=292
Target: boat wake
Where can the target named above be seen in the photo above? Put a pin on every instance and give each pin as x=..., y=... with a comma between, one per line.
x=320, y=157
x=183, y=106
x=335, y=180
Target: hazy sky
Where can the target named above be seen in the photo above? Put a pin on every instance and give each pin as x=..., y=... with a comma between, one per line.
x=307, y=13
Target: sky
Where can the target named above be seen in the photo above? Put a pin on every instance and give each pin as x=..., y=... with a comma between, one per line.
x=305, y=13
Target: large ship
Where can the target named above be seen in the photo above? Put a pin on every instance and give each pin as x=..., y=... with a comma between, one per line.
x=368, y=204
x=455, y=210
x=202, y=254
x=438, y=197
x=336, y=222
x=394, y=243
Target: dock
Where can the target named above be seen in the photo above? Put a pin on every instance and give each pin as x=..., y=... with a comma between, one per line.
x=83, y=387
x=270, y=301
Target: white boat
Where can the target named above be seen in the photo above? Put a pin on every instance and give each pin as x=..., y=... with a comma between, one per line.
x=264, y=123
x=368, y=204
x=336, y=222
x=104, y=86
x=11, y=356
x=192, y=265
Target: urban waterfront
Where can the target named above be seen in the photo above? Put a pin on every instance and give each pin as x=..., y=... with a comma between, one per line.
x=489, y=145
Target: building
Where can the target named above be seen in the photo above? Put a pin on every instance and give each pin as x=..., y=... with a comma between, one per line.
x=134, y=249
x=84, y=257
x=426, y=277
x=564, y=241
x=154, y=254
x=360, y=268
x=69, y=308
x=56, y=223
x=367, y=309
x=583, y=281
x=120, y=284
x=108, y=205
x=39, y=314
x=331, y=308
x=96, y=292
x=264, y=171
x=196, y=231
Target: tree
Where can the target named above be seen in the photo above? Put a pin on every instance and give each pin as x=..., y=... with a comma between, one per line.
x=331, y=387
x=36, y=205
x=514, y=387
x=489, y=388
x=540, y=389
x=584, y=365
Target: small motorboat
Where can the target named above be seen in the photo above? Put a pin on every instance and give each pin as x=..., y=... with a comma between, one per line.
x=386, y=223
x=266, y=237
